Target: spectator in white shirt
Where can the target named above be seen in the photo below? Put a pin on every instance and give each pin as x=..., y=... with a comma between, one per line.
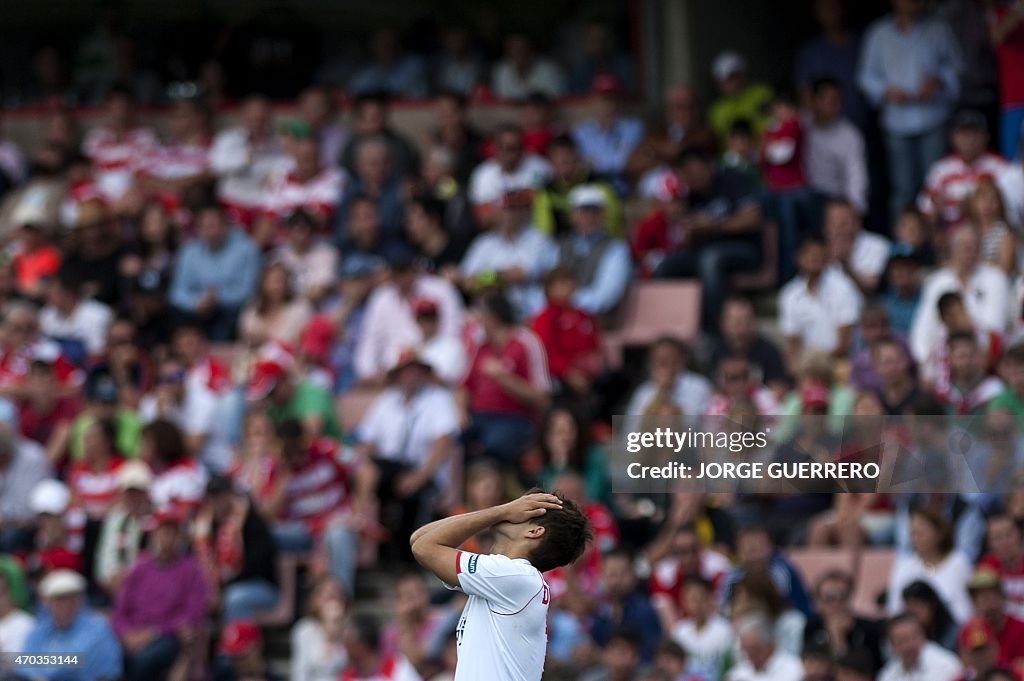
x=389, y=324
x=913, y=657
x=984, y=288
x=934, y=560
x=311, y=261
x=704, y=634
x=245, y=158
x=818, y=308
x=861, y=254
x=446, y=355
x=68, y=317
x=764, y=662
x=669, y=376
x=521, y=72
x=409, y=432
x=834, y=154
x=514, y=255
x=511, y=169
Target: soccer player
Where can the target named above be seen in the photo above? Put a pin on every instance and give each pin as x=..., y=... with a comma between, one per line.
x=502, y=634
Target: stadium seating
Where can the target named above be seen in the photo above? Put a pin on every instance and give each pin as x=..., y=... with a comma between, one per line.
x=652, y=309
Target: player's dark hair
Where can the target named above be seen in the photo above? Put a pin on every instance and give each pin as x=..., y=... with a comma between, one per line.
x=566, y=535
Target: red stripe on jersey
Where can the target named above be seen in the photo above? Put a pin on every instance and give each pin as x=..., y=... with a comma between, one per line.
x=458, y=562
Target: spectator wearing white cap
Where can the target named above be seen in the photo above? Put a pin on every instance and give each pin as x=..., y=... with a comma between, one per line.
x=121, y=533
x=65, y=625
x=600, y=262
x=23, y=464
x=740, y=98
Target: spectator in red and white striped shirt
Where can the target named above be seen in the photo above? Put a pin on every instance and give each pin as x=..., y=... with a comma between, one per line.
x=93, y=478
x=953, y=178
x=319, y=497
x=185, y=159
x=115, y=147
x=179, y=481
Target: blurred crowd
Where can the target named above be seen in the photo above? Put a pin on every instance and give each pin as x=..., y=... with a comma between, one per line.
x=230, y=350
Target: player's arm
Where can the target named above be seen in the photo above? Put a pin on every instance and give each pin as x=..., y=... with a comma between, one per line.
x=434, y=545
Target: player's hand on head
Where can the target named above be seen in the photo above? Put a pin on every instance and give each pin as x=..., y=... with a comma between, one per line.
x=530, y=506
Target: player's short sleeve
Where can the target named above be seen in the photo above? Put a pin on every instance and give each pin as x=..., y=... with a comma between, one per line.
x=507, y=585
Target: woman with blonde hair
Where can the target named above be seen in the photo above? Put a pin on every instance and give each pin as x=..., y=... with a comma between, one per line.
x=984, y=208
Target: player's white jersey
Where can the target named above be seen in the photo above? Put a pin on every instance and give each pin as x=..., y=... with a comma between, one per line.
x=502, y=634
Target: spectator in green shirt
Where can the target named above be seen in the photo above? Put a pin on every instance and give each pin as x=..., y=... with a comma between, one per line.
x=740, y=98
x=1011, y=370
x=272, y=387
x=551, y=203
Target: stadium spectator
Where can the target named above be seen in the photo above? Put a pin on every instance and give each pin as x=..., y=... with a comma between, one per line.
x=598, y=56
x=418, y=624
x=305, y=184
x=984, y=209
x=33, y=254
x=722, y=235
x=571, y=337
x=241, y=642
x=624, y=606
x=670, y=377
x=179, y=481
x=399, y=75
x=740, y=98
x=599, y=261
x=664, y=230
x=275, y=387
x=161, y=603
x=934, y=560
x=834, y=158
x=978, y=647
x=91, y=252
x=318, y=499
x=511, y=169
x=245, y=158
x=859, y=253
x=311, y=262
x=915, y=657
x=898, y=386
x=236, y=551
x=513, y=256
x=507, y=384
x=410, y=433
x=989, y=603
x=522, y=72
x=756, y=551
x=15, y=623
x=371, y=112
x=1008, y=39
x=618, y=660
x=24, y=464
x=737, y=385
x=183, y=160
x=682, y=126
x=738, y=336
x=551, y=209
x=952, y=179
x=1006, y=558
x=275, y=313
x=703, y=633
x=115, y=147
x=121, y=532
x=564, y=445
x=317, y=650
x=366, y=660
x=910, y=69
x=78, y=323
x=454, y=133
x=855, y=665
x=818, y=308
x=446, y=356
x=215, y=273
x=607, y=141
x=984, y=289
x=902, y=292
x=389, y=323
x=832, y=56
x=969, y=387
x=460, y=68
x=318, y=108
x=65, y=623
x=762, y=659
x=426, y=229
x=835, y=627
x=374, y=177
